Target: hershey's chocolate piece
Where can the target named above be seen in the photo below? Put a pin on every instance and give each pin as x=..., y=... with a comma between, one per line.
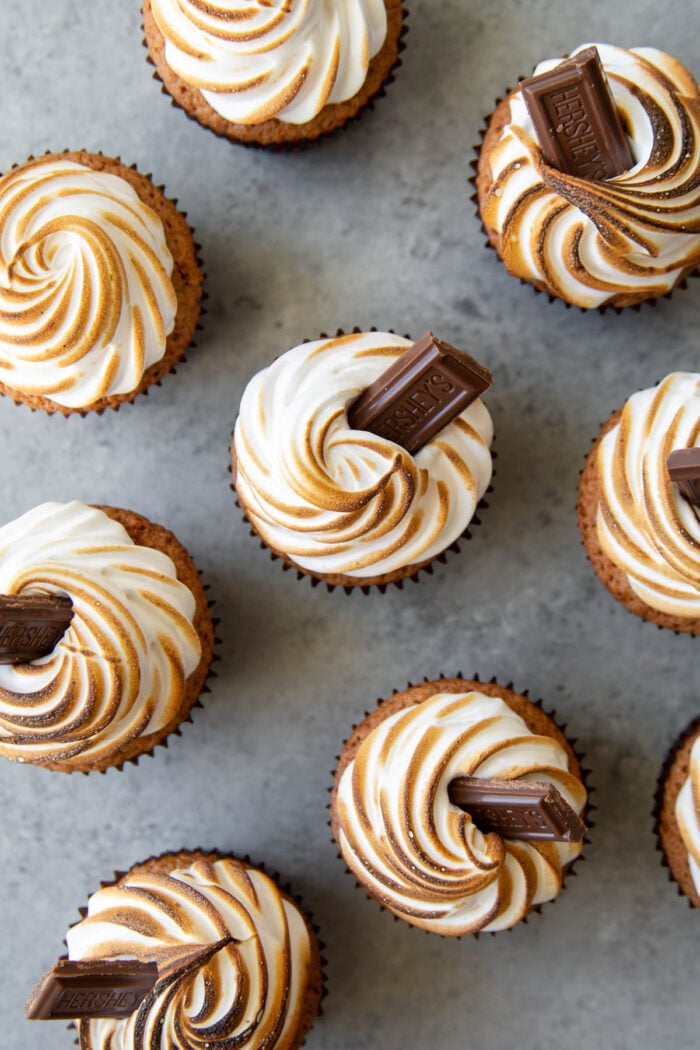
x=517, y=809
x=683, y=467
x=423, y=391
x=100, y=988
x=31, y=625
x=577, y=124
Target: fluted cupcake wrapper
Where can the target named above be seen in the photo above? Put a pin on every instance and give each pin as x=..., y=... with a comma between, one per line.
x=197, y=295
x=189, y=856
x=393, y=579
x=281, y=145
x=682, y=283
x=585, y=773
x=678, y=873
x=612, y=578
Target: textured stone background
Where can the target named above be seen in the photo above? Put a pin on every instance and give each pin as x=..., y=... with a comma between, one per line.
x=373, y=227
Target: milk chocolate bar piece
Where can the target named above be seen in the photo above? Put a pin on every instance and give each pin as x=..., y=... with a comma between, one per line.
x=98, y=988
x=683, y=467
x=31, y=625
x=575, y=118
x=517, y=809
x=423, y=391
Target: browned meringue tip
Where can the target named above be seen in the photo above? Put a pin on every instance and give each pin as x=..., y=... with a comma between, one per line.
x=197, y=295
x=691, y=731
x=301, y=144
x=585, y=773
x=681, y=285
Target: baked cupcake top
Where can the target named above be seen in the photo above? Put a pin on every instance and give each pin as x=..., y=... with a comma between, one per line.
x=120, y=669
x=422, y=856
x=688, y=813
x=338, y=500
x=86, y=297
x=587, y=241
x=645, y=526
x=249, y=995
x=254, y=60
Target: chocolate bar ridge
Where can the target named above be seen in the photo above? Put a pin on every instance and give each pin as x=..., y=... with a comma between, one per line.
x=576, y=120
x=427, y=387
x=517, y=809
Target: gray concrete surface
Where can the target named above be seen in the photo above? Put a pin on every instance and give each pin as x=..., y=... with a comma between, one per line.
x=371, y=228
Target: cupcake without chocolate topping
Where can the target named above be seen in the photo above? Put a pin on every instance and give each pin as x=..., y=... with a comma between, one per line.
x=100, y=286
x=615, y=242
x=414, y=851
x=274, y=74
x=641, y=535
x=678, y=812
x=261, y=991
x=345, y=506
x=136, y=655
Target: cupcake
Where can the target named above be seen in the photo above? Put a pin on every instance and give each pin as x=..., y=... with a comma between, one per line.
x=274, y=74
x=342, y=505
x=678, y=813
x=136, y=655
x=641, y=534
x=261, y=989
x=591, y=242
x=100, y=286
x=414, y=851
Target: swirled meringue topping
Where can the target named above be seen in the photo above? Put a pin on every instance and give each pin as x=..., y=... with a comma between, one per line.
x=645, y=526
x=586, y=241
x=423, y=857
x=248, y=996
x=337, y=500
x=119, y=671
x=688, y=813
x=254, y=60
x=86, y=300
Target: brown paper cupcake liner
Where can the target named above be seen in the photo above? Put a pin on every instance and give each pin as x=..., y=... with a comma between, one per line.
x=204, y=673
x=282, y=145
x=168, y=861
x=681, y=284
x=612, y=578
x=380, y=583
x=584, y=774
x=192, y=284
x=677, y=868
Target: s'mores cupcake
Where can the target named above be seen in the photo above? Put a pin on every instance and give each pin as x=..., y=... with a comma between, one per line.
x=100, y=285
x=678, y=813
x=213, y=952
x=136, y=652
x=588, y=176
x=360, y=459
x=274, y=74
x=398, y=816
x=640, y=527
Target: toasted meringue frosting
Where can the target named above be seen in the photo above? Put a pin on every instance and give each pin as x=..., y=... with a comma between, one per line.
x=688, y=813
x=422, y=856
x=119, y=672
x=86, y=299
x=248, y=996
x=254, y=60
x=645, y=526
x=636, y=233
x=337, y=500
